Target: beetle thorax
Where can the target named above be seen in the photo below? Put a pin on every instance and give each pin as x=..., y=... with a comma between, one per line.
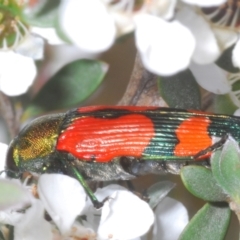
x=37, y=140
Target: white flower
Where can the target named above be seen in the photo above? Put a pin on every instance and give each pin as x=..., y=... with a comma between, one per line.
x=33, y=225
x=125, y=216
x=15, y=197
x=63, y=197
x=205, y=3
x=19, y=50
x=116, y=218
x=211, y=77
x=206, y=48
x=237, y=112
x=154, y=35
x=17, y=73
x=170, y=214
x=169, y=34
x=234, y=79
x=49, y=34
x=236, y=54
x=87, y=24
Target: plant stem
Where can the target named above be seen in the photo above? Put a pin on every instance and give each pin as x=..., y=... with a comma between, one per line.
x=142, y=88
x=7, y=111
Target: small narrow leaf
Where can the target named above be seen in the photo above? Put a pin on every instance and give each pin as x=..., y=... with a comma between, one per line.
x=225, y=168
x=201, y=183
x=159, y=191
x=180, y=90
x=210, y=222
x=223, y=104
x=70, y=86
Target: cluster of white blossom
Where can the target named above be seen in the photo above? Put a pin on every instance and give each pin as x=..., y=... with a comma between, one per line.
x=123, y=216
x=171, y=35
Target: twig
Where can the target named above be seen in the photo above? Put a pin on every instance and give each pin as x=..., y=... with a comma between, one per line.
x=142, y=88
x=8, y=113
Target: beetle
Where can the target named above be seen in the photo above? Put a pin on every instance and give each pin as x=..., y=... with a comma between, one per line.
x=102, y=143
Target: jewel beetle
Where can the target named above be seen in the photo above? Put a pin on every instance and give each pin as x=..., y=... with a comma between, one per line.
x=102, y=143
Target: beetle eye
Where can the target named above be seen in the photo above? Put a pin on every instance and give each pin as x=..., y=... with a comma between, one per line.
x=11, y=167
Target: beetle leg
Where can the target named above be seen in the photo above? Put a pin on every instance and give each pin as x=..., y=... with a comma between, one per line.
x=211, y=148
x=87, y=189
x=71, y=170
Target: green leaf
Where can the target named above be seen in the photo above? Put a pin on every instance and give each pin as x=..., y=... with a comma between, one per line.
x=225, y=61
x=69, y=87
x=201, y=183
x=180, y=91
x=225, y=167
x=224, y=105
x=158, y=191
x=210, y=222
x=11, y=194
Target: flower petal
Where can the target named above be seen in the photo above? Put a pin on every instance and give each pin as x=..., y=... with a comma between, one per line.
x=226, y=37
x=125, y=216
x=33, y=225
x=165, y=47
x=32, y=47
x=87, y=24
x=49, y=34
x=10, y=217
x=93, y=215
x=170, y=214
x=236, y=55
x=107, y=191
x=81, y=232
x=207, y=49
x=123, y=21
x=237, y=112
x=16, y=74
x=63, y=197
x=205, y=3
x=211, y=78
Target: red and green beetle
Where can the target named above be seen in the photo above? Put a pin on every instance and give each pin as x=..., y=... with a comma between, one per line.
x=103, y=143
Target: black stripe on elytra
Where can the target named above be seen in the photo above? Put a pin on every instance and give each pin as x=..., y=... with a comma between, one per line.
x=106, y=113
x=165, y=139
x=111, y=113
x=222, y=125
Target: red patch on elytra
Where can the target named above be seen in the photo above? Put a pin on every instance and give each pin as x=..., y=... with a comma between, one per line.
x=193, y=137
x=89, y=138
